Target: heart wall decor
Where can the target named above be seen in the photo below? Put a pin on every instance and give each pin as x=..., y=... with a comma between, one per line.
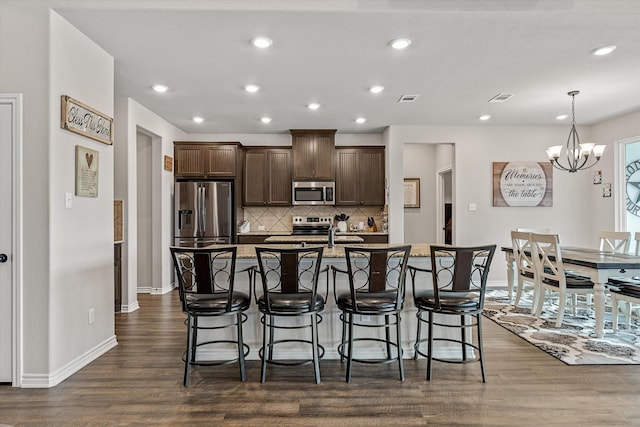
x=87, y=172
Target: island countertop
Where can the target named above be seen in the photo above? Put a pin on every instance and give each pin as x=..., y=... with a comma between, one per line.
x=418, y=250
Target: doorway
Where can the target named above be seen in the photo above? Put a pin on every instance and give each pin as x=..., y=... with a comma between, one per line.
x=145, y=212
x=444, y=201
x=10, y=161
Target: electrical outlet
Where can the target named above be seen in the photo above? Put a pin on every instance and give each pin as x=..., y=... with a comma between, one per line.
x=261, y=228
x=92, y=316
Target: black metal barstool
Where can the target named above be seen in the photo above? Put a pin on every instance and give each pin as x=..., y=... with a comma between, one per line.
x=290, y=289
x=376, y=288
x=206, y=285
x=458, y=282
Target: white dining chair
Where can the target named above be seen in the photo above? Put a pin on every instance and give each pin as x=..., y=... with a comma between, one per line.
x=625, y=292
x=525, y=268
x=615, y=241
x=552, y=276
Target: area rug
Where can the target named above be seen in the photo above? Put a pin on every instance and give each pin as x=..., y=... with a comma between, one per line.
x=574, y=342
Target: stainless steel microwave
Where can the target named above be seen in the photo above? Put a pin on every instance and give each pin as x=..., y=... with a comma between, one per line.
x=314, y=193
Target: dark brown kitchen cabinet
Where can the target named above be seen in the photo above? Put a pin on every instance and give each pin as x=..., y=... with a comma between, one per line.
x=205, y=159
x=267, y=177
x=360, y=176
x=313, y=154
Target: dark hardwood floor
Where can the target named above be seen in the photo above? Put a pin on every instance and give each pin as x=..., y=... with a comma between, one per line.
x=140, y=383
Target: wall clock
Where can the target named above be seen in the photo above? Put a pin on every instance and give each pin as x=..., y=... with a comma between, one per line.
x=632, y=178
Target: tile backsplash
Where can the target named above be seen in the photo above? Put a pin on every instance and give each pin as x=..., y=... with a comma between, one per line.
x=275, y=218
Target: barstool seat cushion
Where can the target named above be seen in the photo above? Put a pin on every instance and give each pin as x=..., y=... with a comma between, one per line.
x=213, y=303
x=291, y=303
x=372, y=301
x=456, y=301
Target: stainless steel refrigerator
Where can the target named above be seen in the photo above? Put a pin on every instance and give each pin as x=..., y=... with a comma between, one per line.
x=204, y=213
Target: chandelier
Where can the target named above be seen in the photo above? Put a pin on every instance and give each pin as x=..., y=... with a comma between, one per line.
x=578, y=156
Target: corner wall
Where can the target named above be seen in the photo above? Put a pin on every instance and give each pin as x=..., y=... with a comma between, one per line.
x=81, y=237
x=133, y=118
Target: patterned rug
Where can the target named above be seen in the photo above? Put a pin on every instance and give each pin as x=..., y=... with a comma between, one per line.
x=573, y=343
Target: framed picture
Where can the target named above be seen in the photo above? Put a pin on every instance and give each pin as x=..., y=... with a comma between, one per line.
x=84, y=120
x=86, y=172
x=412, y=192
x=168, y=163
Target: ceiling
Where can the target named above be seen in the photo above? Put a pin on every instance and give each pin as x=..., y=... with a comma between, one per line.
x=463, y=53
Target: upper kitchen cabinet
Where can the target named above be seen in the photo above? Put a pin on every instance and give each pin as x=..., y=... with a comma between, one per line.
x=313, y=154
x=267, y=177
x=205, y=159
x=360, y=176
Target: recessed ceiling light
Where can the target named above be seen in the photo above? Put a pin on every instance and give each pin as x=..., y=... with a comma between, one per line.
x=160, y=88
x=561, y=117
x=604, y=50
x=376, y=89
x=266, y=120
x=361, y=120
x=313, y=106
x=261, y=42
x=484, y=117
x=400, y=43
x=252, y=88
x=198, y=119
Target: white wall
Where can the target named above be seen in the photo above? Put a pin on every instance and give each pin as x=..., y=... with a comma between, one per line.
x=81, y=238
x=420, y=223
x=145, y=212
x=476, y=147
x=610, y=132
x=23, y=30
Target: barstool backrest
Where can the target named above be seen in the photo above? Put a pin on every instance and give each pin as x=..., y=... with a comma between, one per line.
x=290, y=271
x=205, y=271
x=460, y=270
x=381, y=270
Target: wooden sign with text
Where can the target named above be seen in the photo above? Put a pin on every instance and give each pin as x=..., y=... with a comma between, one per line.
x=522, y=184
x=84, y=120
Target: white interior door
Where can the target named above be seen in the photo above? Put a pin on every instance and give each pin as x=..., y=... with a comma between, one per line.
x=7, y=133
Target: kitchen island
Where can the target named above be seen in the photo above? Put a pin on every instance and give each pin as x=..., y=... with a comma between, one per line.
x=329, y=331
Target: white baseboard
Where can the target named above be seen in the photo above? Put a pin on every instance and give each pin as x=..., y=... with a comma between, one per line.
x=130, y=308
x=55, y=378
x=162, y=291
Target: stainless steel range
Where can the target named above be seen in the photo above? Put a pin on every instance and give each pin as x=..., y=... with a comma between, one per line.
x=311, y=225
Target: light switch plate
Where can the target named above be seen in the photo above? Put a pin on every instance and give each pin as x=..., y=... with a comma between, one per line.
x=68, y=200
x=472, y=207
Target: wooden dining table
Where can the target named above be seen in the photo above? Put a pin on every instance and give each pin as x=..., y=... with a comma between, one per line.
x=593, y=263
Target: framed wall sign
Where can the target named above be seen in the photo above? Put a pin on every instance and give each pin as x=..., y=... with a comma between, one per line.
x=84, y=120
x=412, y=192
x=86, y=172
x=168, y=163
x=522, y=184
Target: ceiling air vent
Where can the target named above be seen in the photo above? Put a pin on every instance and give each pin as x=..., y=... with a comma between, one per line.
x=408, y=98
x=501, y=97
